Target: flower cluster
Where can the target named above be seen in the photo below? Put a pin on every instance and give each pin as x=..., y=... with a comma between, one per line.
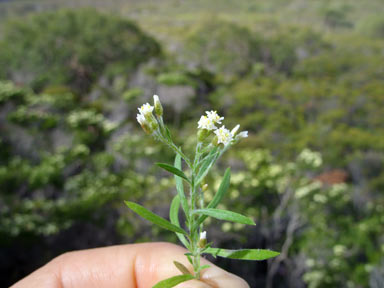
x=145, y=117
x=207, y=124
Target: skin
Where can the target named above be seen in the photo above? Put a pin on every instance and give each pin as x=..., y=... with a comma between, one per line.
x=128, y=266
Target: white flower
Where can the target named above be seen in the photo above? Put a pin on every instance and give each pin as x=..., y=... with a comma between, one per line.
x=234, y=130
x=203, y=235
x=141, y=119
x=242, y=134
x=206, y=123
x=223, y=135
x=212, y=115
x=156, y=99
x=146, y=109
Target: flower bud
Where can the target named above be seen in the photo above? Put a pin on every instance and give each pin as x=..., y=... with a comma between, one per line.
x=202, y=134
x=203, y=239
x=241, y=135
x=146, y=128
x=234, y=130
x=158, y=107
x=215, y=141
x=204, y=187
x=153, y=123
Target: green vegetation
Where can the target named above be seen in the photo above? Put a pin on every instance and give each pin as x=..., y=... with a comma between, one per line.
x=300, y=76
x=72, y=48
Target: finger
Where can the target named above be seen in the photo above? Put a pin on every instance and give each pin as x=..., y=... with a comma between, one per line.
x=129, y=266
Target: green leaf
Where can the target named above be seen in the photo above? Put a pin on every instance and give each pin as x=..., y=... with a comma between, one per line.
x=243, y=254
x=182, y=268
x=206, y=165
x=222, y=189
x=180, y=187
x=219, y=195
x=204, y=267
x=146, y=214
x=168, y=133
x=225, y=215
x=174, y=217
x=173, y=170
x=189, y=257
x=173, y=281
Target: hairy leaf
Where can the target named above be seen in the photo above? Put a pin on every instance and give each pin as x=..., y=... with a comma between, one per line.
x=243, y=254
x=225, y=215
x=182, y=268
x=148, y=215
x=174, y=217
x=173, y=170
x=206, y=166
x=180, y=187
x=173, y=281
x=219, y=195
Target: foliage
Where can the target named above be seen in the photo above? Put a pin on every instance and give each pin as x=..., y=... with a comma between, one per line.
x=220, y=46
x=298, y=75
x=337, y=16
x=73, y=48
x=53, y=175
x=374, y=26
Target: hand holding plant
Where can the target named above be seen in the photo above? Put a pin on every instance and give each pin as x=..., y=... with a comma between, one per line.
x=212, y=142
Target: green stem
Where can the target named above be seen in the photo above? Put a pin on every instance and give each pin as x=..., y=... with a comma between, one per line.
x=176, y=149
x=193, y=230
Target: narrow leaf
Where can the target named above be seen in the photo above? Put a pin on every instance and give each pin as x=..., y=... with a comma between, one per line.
x=206, y=166
x=204, y=267
x=174, y=217
x=182, y=268
x=225, y=215
x=220, y=193
x=168, y=133
x=243, y=254
x=173, y=281
x=189, y=257
x=173, y=170
x=148, y=215
x=222, y=189
x=180, y=187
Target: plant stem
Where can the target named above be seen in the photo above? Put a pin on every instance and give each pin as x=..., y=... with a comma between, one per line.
x=176, y=149
x=193, y=230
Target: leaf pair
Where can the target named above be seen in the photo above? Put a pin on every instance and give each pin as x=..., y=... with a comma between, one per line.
x=174, y=209
x=210, y=210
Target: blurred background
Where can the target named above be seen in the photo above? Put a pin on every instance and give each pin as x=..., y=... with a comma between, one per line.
x=306, y=78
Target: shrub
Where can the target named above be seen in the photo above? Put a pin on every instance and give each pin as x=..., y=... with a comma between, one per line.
x=73, y=48
x=221, y=47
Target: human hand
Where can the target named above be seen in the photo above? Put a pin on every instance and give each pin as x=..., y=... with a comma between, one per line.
x=128, y=266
